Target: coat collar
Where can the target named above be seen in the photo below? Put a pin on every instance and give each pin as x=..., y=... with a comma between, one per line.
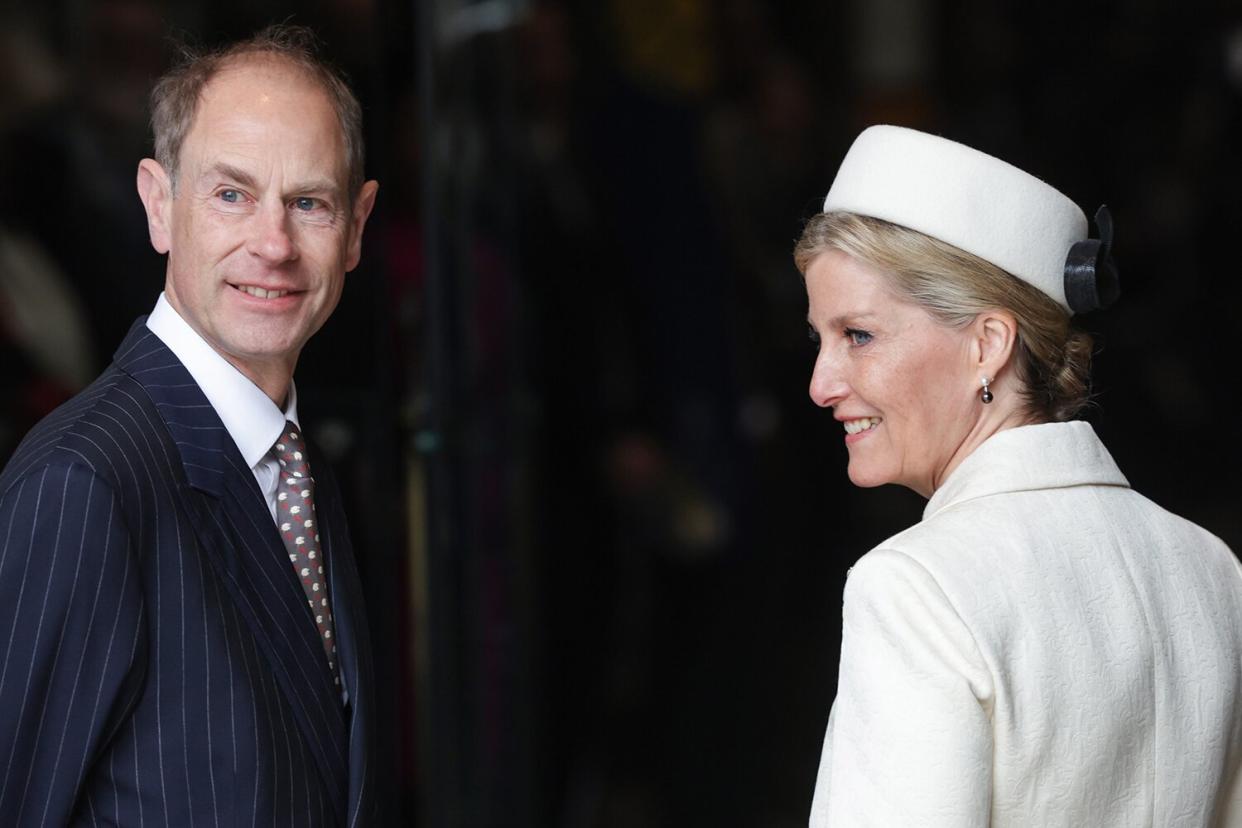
x=355, y=656
x=253, y=421
x=200, y=436
x=1028, y=458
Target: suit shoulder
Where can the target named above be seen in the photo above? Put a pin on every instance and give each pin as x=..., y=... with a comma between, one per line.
x=106, y=428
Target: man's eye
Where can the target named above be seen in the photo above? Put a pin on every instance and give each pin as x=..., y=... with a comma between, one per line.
x=230, y=196
x=305, y=204
x=857, y=337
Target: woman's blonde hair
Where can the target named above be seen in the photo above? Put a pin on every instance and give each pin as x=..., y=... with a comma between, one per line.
x=1053, y=359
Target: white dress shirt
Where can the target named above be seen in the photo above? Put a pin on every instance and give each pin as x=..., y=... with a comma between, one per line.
x=249, y=415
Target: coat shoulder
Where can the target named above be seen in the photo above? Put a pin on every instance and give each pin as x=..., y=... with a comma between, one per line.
x=110, y=428
x=1083, y=543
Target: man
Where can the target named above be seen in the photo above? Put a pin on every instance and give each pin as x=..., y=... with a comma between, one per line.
x=181, y=621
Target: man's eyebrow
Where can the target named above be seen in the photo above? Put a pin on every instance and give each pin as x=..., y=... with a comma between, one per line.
x=315, y=185
x=223, y=170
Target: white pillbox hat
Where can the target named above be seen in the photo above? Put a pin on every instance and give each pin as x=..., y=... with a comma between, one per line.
x=963, y=197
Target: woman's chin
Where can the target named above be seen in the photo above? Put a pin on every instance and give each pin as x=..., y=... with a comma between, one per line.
x=866, y=478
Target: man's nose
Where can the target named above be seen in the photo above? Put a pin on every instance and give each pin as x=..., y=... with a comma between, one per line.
x=828, y=386
x=271, y=239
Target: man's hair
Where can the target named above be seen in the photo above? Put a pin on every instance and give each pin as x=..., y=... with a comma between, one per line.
x=174, y=100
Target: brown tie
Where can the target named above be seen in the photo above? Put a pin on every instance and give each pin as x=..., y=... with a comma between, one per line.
x=299, y=528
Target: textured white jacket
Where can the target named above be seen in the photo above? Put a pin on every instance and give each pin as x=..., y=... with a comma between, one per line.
x=1046, y=648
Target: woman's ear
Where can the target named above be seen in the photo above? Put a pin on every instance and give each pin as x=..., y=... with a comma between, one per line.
x=155, y=190
x=994, y=335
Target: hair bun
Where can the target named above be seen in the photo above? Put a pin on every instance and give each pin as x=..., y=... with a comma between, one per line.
x=1091, y=280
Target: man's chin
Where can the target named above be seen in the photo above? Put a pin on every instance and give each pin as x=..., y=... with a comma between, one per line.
x=264, y=354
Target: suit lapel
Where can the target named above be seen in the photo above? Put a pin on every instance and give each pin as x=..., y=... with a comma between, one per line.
x=353, y=637
x=234, y=527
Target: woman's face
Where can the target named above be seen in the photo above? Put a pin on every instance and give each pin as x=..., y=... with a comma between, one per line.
x=901, y=384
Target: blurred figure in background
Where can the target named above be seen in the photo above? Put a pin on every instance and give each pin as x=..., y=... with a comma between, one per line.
x=46, y=348
x=69, y=183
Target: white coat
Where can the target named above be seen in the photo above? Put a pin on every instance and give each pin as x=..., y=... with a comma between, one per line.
x=1046, y=648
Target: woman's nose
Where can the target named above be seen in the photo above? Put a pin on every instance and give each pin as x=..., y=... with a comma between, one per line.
x=828, y=385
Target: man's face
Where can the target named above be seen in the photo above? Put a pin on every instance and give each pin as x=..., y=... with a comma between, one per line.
x=260, y=232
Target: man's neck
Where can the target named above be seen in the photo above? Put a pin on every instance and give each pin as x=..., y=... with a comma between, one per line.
x=272, y=378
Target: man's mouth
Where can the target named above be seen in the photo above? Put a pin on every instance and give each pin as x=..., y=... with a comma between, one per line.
x=260, y=293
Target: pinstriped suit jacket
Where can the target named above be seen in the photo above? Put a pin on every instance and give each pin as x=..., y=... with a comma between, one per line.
x=159, y=665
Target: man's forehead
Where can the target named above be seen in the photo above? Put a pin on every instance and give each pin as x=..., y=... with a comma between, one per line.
x=253, y=74
x=260, y=100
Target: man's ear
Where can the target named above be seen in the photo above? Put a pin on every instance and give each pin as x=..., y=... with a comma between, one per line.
x=155, y=190
x=358, y=220
x=994, y=337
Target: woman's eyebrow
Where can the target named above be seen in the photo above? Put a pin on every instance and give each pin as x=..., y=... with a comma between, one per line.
x=844, y=319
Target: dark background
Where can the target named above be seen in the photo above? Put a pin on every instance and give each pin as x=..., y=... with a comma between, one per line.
x=603, y=529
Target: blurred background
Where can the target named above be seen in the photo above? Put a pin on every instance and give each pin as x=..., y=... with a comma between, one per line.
x=603, y=530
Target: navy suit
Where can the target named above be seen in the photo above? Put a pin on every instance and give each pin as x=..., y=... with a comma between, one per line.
x=159, y=664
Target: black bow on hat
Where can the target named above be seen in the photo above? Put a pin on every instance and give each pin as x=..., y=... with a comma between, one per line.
x=1091, y=280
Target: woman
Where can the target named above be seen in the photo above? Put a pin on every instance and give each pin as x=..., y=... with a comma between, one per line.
x=1047, y=647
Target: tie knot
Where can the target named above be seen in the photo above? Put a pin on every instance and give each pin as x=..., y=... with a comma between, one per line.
x=290, y=450
x=289, y=440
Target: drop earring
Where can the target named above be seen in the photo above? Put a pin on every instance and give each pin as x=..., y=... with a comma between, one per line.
x=986, y=396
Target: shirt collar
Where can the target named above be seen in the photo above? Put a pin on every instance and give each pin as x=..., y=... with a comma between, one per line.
x=250, y=417
x=1027, y=458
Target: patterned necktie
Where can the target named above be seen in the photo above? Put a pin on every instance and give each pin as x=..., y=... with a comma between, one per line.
x=299, y=529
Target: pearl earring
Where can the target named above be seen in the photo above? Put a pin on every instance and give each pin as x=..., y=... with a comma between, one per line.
x=986, y=396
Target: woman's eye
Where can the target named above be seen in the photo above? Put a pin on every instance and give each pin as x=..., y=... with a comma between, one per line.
x=857, y=337
x=230, y=196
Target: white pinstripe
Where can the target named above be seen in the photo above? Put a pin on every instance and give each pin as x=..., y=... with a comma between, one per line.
x=60, y=641
x=215, y=805
x=3, y=557
x=13, y=632
x=254, y=717
x=39, y=631
x=137, y=776
x=82, y=660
